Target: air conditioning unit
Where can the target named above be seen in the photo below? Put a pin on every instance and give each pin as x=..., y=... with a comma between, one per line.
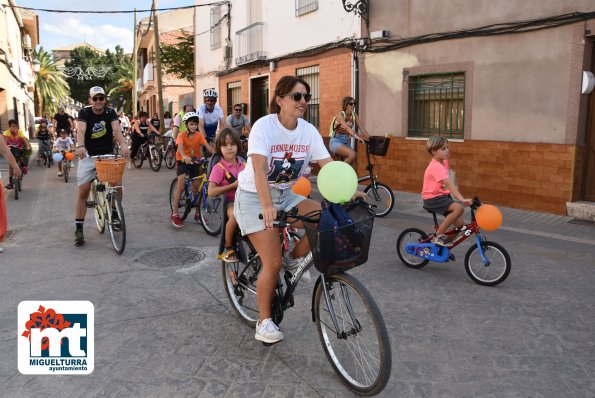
x=27, y=42
x=227, y=52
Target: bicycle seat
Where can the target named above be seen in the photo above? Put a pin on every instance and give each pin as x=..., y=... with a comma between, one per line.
x=429, y=211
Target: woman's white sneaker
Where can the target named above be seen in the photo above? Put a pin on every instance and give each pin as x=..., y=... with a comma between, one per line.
x=268, y=332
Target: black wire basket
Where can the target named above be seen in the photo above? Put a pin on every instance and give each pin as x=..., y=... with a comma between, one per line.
x=340, y=249
x=378, y=145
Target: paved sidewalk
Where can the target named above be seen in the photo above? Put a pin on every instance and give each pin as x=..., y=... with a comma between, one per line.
x=164, y=327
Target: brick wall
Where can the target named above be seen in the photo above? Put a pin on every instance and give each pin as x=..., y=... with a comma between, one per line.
x=335, y=81
x=521, y=175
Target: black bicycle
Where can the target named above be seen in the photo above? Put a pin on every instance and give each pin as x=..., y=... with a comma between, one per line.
x=350, y=326
x=149, y=150
x=17, y=182
x=45, y=152
x=379, y=194
x=169, y=153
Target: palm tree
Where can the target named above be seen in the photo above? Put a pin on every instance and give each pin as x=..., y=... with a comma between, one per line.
x=50, y=84
x=123, y=85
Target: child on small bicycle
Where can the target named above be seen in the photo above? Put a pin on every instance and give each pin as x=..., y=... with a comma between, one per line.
x=18, y=143
x=223, y=180
x=63, y=144
x=189, y=149
x=437, y=190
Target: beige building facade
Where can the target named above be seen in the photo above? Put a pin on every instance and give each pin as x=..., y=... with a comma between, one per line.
x=174, y=90
x=19, y=34
x=522, y=133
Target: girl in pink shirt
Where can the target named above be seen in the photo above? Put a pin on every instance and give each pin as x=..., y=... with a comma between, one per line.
x=437, y=189
x=224, y=180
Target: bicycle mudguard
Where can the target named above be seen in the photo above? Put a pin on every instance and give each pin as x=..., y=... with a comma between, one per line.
x=429, y=251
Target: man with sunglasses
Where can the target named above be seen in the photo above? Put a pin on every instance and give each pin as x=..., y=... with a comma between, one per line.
x=210, y=116
x=239, y=121
x=97, y=125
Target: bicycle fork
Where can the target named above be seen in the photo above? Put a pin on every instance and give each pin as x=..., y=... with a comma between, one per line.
x=341, y=334
x=481, y=251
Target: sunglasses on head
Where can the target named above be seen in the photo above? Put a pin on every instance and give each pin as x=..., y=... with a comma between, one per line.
x=98, y=98
x=297, y=97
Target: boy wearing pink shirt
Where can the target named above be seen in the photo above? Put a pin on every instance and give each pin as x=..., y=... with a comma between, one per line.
x=437, y=190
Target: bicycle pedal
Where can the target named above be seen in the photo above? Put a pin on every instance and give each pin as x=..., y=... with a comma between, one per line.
x=91, y=204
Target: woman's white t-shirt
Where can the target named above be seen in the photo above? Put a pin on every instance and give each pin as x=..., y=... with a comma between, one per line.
x=288, y=152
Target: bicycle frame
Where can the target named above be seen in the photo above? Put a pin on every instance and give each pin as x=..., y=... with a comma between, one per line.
x=369, y=168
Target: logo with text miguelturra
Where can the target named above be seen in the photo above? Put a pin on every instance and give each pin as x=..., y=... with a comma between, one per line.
x=56, y=337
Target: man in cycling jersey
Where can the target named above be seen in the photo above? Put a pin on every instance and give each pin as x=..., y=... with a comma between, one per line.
x=210, y=115
x=97, y=125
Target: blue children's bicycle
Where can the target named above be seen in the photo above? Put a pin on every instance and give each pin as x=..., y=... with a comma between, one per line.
x=487, y=263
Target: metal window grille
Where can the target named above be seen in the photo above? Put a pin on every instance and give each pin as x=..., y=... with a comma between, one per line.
x=234, y=95
x=311, y=75
x=215, y=27
x=303, y=7
x=437, y=105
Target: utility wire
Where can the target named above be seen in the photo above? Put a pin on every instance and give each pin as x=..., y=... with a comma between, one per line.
x=115, y=12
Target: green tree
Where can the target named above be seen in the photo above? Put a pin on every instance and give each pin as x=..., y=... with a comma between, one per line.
x=178, y=59
x=50, y=85
x=122, y=85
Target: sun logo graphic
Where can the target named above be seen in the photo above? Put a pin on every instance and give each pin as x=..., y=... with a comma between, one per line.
x=56, y=337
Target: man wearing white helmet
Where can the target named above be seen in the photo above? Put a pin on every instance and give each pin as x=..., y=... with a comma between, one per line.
x=190, y=144
x=210, y=115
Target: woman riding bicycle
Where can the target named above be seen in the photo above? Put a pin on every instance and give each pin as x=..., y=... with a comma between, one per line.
x=140, y=134
x=281, y=145
x=343, y=127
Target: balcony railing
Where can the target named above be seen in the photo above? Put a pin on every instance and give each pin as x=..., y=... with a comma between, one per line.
x=250, y=44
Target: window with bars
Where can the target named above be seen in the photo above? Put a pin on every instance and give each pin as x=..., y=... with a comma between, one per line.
x=215, y=27
x=234, y=95
x=311, y=75
x=303, y=7
x=437, y=105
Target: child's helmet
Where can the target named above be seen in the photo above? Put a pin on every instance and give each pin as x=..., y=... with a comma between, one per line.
x=210, y=92
x=190, y=115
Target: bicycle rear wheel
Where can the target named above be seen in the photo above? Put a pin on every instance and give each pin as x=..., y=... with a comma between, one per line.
x=382, y=197
x=170, y=158
x=491, y=272
x=155, y=158
x=210, y=214
x=239, y=281
x=184, y=203
x=359, y=350
x=116, y=223
x=411, y=236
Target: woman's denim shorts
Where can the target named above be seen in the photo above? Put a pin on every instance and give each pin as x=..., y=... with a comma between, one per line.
x=338, y=140
x=247, y=207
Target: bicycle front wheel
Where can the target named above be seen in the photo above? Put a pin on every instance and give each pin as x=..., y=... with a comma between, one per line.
x=66, y=170
x=117, y=224
x=183, y=204
x=97, y=209
x=170, y=158
x=209, y=212
x=16, y=187
x=239, y=281
x=382, y=197
x=359, y=347
x=492, y=271
x=139, y=158
x=411, y=236
x=155, y=158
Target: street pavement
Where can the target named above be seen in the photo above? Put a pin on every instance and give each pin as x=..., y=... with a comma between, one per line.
x=163, y=327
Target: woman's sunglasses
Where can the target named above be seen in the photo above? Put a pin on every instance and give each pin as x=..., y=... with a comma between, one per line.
x=351, y=103
x=98, y=98
x=297, y=97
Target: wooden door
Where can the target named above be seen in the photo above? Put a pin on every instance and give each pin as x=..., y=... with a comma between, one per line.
x=259, y=98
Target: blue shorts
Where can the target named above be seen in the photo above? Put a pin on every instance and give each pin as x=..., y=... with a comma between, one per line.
x=247, y=207
x=337, y=140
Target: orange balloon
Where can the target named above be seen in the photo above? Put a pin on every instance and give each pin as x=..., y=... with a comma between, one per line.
x=302, y=187
x=69, y=155
x=488, y=217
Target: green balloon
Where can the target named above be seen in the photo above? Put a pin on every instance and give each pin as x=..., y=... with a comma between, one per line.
x=337, y=182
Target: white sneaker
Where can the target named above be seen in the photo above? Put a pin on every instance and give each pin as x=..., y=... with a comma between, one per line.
x=60, y=174
x=129, y=165
x=71, y=163
x=268, y=332
x=306, y=277
x=291, y=264
x=1, y=249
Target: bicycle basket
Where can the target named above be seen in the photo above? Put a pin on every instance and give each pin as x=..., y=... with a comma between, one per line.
x=343, y=247
x=378, y=145
x=110, y=170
